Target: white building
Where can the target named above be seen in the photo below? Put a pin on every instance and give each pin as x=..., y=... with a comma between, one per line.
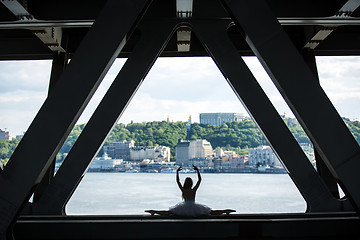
x=219, y=118
x=157, y=153
x=104, y=163
x=263, y=155
x=219, y=153
x=186, y=150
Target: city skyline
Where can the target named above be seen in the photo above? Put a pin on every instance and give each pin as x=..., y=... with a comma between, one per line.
x=174, y=87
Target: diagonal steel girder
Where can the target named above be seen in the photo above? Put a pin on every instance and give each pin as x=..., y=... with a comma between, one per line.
x=59, y=63
x=154, y=37
x=301, y=91
x=65, y=104
x=50, y=36
x=214, y=37
x=320, y=35
x=324, y=172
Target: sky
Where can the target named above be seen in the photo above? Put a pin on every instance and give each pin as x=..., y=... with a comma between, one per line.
x=174, y=88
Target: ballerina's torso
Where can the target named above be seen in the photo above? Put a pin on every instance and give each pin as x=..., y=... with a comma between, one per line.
x=188, y=194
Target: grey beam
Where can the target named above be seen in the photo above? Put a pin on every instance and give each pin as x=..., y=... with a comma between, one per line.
x=318, y=36
x=301, y=91
x=348, y=8
x=17, y=9
x=64, y=105
x=344, y=12
x=214, y=37
x=154, y=38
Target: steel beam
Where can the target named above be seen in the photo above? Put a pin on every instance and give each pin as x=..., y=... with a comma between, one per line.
x=294, y=21
x=348, y=8
x=50, y=36
x=60, y=61
x=301, y=91
x=214, y=37
x=344, y=12
x=154, y=38
x=64, y=105
x=324, y=172
x=17, y=9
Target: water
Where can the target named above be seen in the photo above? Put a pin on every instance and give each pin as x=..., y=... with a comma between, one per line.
x=132, y=193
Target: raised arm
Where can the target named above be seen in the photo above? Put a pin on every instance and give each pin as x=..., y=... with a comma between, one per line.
x=178, y=178
x=199, y=178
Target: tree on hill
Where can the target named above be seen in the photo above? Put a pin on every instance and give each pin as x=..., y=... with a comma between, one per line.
x=354, y=127
x=7, y=148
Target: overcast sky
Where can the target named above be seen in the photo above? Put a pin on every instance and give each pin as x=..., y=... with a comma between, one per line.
x=175, y=87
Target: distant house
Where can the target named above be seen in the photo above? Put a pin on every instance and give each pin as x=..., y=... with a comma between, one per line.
x=5, y=135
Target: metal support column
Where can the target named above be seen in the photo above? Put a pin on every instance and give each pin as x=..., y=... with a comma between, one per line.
x=64, y=105
x=214, y=37
x=324, y=172
x=153, y=39
x=303, y=94
x=60, y=61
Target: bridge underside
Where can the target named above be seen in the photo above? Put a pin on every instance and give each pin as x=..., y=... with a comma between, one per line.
x=284, y=35
x=330, y=28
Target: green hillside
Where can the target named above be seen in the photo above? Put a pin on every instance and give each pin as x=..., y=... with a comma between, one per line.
x=239, y=136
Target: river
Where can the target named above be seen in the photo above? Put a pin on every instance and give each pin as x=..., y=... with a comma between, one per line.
x=132, y=193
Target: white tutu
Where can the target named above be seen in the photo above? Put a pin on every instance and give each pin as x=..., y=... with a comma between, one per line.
x=190, y=209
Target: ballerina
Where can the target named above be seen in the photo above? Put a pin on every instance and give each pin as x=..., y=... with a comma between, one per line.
x=189, y=207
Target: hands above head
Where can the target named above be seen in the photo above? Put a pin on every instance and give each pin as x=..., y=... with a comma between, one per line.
x=195, y=168
x=179, y=169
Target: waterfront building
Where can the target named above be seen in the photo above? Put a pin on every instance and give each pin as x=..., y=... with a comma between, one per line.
x=238, y=162
x=217, y=163
x=311, y=156
x=5, y=135
x=219, y=118
x=104, y=164
x=156, y=153
x=230, y=153
x=219, y=152
x=305, y=146
x=182, y=152
x=263, y=155
x=186, y=150
x=119, y=150
x=205, y=162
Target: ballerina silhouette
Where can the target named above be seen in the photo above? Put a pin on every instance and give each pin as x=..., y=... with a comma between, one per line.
x=188, y=207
